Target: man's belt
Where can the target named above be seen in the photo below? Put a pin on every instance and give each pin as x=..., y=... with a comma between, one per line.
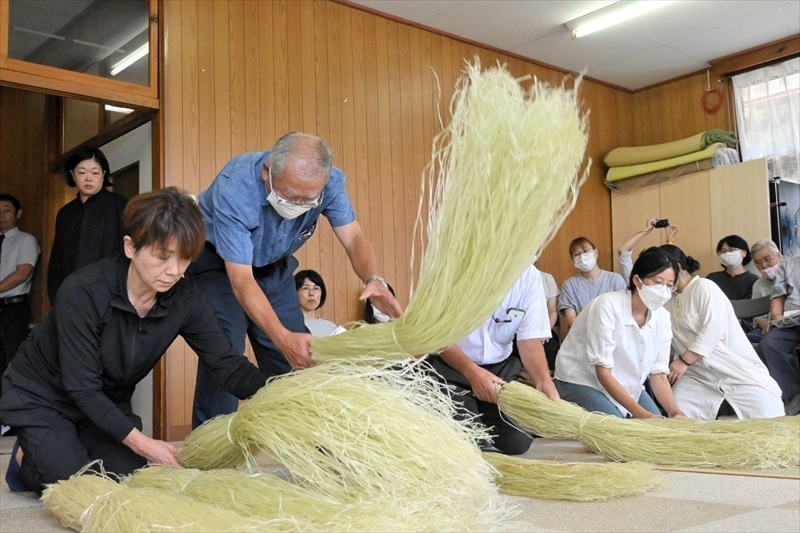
x=258, y=272
x=11, y=300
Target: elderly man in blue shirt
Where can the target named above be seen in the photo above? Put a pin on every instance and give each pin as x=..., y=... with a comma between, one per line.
x=259, y=210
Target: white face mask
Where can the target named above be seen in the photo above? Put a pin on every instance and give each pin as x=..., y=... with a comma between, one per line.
x=654, y=296
x=287, y=211
x=585, y=262
x=771, y=272
x=379, y=316
x=731, y=259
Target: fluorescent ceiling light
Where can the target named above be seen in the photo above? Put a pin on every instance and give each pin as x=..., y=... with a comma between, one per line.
x=134, y=56
x=117, y=109
x=611, y=15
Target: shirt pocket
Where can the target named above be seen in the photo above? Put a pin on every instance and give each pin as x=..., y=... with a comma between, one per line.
x=502, y=328
x=302, y=238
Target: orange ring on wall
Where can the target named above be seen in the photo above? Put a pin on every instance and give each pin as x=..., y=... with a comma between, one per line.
x=711, y=108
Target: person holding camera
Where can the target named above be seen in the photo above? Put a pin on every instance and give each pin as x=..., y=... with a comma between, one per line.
x=625, y=250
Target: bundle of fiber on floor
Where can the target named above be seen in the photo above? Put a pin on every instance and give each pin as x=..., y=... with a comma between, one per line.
x=789, y=425
x=213, y=446
x=69, y=499
x=663, y=443
x=634, y=440
x=504, y=176
x=582, y=482
x=534, y=411
x=353, y=432
x=263, y=495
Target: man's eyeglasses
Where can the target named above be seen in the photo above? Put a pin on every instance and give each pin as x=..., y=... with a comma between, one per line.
x=765, y=261
x=311, y=205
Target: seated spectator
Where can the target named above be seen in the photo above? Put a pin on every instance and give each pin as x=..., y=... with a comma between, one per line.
x=766, y=258
x=551, y=293
x=473, y=367
x=619, y=340
x=714, y=361
x=312, y=294
x=736, y=282
x=19, y=252
x=593, y=281
x=373, y=315
x=625, y=250
x=779, y=345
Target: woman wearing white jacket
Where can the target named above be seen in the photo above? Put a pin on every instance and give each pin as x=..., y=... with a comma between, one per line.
x=713, y=360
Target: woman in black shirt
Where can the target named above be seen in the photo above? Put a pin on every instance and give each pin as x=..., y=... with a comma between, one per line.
x=68, y=391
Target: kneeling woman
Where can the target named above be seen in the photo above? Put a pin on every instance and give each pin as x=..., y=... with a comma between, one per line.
x=68, y=391
x=714, y=360
x=619, y=340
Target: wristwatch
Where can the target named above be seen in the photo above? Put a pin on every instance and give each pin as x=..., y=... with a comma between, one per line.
x=376, y=278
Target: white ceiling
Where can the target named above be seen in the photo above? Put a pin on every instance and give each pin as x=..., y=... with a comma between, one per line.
x=677, y=39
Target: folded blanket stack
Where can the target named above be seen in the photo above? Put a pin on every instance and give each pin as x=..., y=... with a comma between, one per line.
x=659, y=162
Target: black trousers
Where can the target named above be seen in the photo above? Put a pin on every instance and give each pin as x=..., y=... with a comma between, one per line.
x=507, y=438
x=14, y=320
x=57, y=443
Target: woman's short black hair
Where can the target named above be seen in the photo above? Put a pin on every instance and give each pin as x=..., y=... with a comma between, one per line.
x=314, y=277
x=685, y=262
x=82, y=153
x=651, y=262
x=369, y=313
x=734, y=241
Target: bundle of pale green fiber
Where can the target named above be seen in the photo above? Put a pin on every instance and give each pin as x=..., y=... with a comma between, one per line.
x=634, y=440
x=212, y=446
x=381, y=432
x=789, y=425
x=534, y=411
x=68, y=500
x=263, y=495
x=504, y=176
x=582, y=482
x=765, y=445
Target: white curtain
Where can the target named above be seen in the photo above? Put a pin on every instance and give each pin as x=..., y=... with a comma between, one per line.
x=768, y=116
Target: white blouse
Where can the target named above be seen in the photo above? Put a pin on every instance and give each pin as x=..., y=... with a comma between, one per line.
x=704, y=322
x=606, y=334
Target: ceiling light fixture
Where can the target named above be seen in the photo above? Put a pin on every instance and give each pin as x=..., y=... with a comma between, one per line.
x=134, y=56
x=611, y=15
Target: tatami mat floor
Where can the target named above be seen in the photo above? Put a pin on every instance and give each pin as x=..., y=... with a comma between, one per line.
x=689, y=502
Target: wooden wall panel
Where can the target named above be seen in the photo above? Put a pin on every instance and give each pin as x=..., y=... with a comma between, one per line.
x=241, y=73
x=24, y=174
x=673, y=111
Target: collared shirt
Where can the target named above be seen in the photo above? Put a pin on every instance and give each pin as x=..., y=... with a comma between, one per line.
x=606, y=334
x=787, y=283
x=578, y=291
x=244, y=227
x=19, y=248
x=704, y=322
x=492, y=341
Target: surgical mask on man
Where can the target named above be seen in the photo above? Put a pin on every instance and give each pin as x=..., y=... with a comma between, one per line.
x=654, y=296
x=771, y=272
x=379, y=316
x=731, y=259
x=585, y=262
x=286, y=211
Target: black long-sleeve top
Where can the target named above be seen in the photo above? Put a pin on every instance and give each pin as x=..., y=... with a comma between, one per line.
x=93, y=348
x=86, y=232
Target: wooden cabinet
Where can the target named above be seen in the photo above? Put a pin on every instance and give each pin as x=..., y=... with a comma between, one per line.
x=706, y=206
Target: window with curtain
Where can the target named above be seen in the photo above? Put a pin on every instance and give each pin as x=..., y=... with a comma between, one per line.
x=768, y=116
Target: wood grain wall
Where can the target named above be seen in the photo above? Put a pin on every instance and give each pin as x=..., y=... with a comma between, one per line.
x=673, y=111
x=239, y=74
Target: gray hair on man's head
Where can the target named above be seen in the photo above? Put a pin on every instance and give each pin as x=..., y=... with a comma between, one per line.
x=305, y=146
x=764, y=243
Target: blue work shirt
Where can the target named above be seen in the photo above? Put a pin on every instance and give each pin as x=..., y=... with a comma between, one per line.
x=244, y=227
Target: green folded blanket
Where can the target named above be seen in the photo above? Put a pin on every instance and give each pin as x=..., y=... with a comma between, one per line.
x=628, y=171
x=636, y=155
x=718, y=136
